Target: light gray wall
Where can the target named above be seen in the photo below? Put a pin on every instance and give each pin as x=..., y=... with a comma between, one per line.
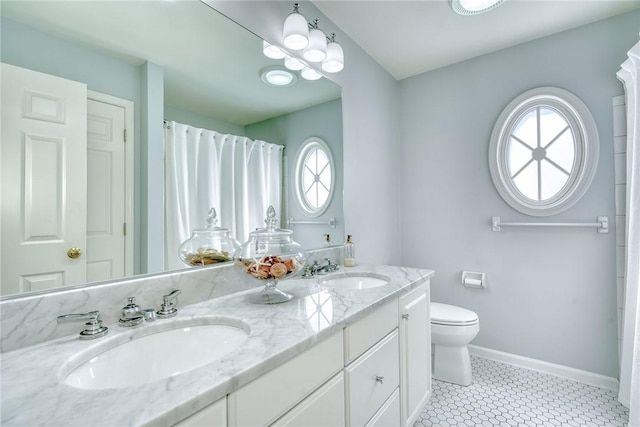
x=370, y=117
x=551, y=292
x=291, y=130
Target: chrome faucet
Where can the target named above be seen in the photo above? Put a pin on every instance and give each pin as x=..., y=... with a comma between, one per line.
x=317, y=269
x=131, y=314
x=167, y=309
x=93, y=328
x=330, y=266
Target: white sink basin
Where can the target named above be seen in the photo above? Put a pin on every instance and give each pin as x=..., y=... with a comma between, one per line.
x=154, y=357
x=354, y=281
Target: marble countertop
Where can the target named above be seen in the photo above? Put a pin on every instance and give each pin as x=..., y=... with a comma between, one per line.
x=33, y=391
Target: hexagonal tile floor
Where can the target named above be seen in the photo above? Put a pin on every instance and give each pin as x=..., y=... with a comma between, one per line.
x=506, y=395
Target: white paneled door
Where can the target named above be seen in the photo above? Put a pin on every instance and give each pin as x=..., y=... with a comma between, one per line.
x=106, y=228
x=44, y=179
x=67, y=183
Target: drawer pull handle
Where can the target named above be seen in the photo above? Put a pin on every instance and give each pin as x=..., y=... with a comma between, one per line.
x=379, y=379
x=405, y=316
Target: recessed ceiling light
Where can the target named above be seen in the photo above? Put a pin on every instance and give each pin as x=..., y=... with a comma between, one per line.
x=474, y=7
x=276, y=76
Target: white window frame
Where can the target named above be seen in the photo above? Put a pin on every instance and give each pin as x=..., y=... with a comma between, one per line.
x=307, y=146
x=587, y=150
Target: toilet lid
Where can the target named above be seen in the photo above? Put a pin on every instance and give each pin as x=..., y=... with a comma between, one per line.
x=445, y=314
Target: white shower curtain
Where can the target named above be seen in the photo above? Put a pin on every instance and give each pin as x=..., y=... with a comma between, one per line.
x=630, y=357
x=237, y=176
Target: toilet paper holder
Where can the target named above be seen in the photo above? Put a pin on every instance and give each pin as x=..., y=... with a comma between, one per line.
x=473, y=279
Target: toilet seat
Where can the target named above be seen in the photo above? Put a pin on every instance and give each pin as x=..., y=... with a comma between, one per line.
x=450, y=315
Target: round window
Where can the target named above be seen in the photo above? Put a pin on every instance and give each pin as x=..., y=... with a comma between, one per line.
x=315, y=177
x=544, y=151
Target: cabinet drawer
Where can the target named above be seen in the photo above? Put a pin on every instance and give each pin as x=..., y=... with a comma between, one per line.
x=262, y=401
x=214, y=415
x=324, y=408
x=389, y=414
x=367, y=331
x=371, y=380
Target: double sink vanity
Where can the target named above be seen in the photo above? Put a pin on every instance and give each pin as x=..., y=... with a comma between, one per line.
x=352, y=348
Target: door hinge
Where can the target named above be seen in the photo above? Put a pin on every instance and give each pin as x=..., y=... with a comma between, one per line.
x=124, y=135
x=124, y=229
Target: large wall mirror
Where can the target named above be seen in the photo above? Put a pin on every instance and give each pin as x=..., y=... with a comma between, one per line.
x=209, y=69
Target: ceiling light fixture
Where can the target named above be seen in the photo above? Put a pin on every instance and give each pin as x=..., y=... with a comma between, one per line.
x=293, y=63
x=297, y=35
x=271, y=51
x=474, y=7
x=277, y=76
x=334, y=62
x=316, y=50
x=310, y=74
x=295, y=32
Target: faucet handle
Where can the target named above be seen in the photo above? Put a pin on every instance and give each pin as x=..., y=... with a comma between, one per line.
x=93, y=328
x=167, y=308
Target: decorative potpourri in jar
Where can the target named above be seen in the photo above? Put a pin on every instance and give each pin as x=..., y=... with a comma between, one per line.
x=270, y=255
x=209, y=245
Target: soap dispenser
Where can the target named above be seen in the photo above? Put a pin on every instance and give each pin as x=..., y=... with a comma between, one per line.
x=349, y=253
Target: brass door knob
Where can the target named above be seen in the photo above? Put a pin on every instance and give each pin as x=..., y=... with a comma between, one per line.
x=74, y=253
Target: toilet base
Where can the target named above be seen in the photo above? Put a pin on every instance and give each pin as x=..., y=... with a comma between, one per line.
x=452, y=364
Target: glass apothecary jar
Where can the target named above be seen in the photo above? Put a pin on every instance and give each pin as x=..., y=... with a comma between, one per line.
x=209, y=245
x=270, y=255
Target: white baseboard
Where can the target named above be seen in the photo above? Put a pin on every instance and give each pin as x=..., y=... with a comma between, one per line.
x=581, y=376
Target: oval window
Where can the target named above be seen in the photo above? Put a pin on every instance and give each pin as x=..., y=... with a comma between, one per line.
x=544, y=151
x=315, y=177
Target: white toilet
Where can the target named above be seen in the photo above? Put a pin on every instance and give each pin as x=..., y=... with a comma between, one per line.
x=452, y=328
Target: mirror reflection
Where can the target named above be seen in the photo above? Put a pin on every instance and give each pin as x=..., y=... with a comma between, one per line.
x=129, y=65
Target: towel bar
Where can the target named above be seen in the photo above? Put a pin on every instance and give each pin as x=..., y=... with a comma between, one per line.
x=331, y=222
x=602, y=224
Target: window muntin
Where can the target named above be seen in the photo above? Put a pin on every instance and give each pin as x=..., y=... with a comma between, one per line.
x=541, y=153
x=544, y=151
x=315, y=177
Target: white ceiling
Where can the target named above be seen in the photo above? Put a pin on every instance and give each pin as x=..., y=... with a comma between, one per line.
x=411, y=37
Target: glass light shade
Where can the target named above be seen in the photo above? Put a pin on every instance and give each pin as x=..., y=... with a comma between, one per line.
x=334, y=62
x=295, y=33
x=310, y=74
x=271, y=51
x=316, y=50
x=293, y=64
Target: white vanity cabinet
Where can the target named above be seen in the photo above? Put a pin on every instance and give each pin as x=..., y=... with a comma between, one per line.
x=323, y=408
x=264, y=400
x=415, y=353
x=374, y=373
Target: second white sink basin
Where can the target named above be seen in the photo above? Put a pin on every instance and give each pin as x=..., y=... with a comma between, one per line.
x=154, y=357
x=354, y=281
